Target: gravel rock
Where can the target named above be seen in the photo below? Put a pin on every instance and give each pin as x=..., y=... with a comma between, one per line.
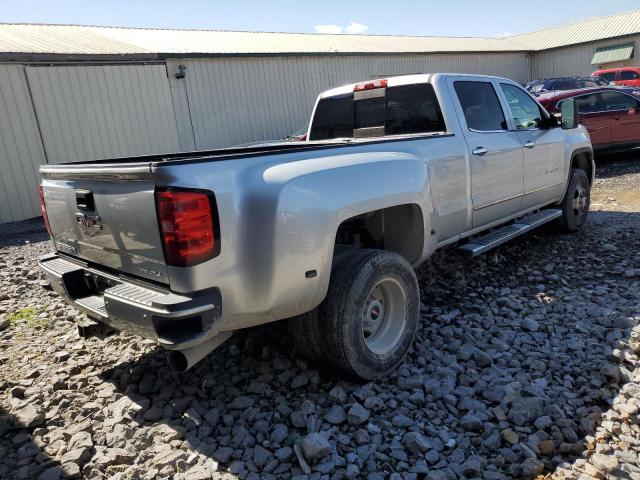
x=315, y=447
x=30, y=416
x=532, y=467
x=417, y=443
x=526, y=362
x=336, y=415
x=357, y=414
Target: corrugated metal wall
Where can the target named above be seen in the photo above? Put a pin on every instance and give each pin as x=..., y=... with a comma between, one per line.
x=576, y=60
x=278, y=92
x=20, y=148
x=103, y=111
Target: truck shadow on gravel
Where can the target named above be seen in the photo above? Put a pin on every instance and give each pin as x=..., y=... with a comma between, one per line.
x=520, y=356
x=18, y=438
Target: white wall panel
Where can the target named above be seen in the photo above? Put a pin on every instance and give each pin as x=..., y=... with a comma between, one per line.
x=103, y=111
x=20, y=148
x=238, y=100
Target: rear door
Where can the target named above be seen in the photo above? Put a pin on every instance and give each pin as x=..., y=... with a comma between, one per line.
x=624, y=113
x=496, y=159
x=544, y=164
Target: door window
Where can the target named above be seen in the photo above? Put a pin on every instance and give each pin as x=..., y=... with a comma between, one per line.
x=525, y=110
x=584, y=84
x=610, y=76
x=587, y=103
x=629, y=75
x=613, y=101
x=480, y=105
x=562, y=85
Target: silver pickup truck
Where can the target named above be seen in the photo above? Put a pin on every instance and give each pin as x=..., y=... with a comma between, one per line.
x=186, y=248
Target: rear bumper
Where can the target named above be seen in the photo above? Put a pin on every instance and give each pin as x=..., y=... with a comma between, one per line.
x=175, y=321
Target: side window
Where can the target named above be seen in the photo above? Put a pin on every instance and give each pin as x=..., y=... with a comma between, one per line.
x=562, y=85
x=412, y=109
x=537, y=87
x=584, y=84
x=481, y=107
x=617, y=101
x=526, y=112
x=609, y=76
x=628, y=75
x=587, y=103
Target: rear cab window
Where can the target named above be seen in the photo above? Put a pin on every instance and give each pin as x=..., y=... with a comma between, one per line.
x=396, y=110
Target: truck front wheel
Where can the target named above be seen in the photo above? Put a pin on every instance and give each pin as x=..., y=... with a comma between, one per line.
x=369, y=318
x=575, y=206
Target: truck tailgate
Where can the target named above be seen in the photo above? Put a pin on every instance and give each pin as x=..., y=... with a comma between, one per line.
x=106, y=218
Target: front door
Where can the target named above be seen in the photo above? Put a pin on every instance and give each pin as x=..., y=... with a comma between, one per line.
x=544, y=165
x=496, y=157
x=595, y=118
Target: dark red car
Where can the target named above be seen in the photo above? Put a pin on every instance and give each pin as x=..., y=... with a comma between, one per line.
x=611, y=115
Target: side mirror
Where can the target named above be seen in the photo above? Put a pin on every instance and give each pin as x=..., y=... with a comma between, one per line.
x=551, y=122
x=632, y=111
x=569, y=114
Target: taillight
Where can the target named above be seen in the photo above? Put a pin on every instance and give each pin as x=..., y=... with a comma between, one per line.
x=382, y=83
x=43, y=209
x=188, y=225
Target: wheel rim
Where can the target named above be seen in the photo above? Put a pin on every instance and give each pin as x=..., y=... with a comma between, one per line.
x=580, y=202
x=384, y=316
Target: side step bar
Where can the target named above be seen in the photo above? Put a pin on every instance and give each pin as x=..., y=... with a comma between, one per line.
x=482, y=244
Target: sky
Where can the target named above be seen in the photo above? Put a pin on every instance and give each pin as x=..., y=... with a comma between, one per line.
x=476, y=18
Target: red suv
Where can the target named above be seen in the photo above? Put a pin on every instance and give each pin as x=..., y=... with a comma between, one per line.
x=622, y=76
x=611, y=116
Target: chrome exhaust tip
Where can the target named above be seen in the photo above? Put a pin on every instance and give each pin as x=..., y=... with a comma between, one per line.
x=182, y=360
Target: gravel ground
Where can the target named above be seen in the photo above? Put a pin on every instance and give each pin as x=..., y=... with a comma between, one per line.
x=526, y=365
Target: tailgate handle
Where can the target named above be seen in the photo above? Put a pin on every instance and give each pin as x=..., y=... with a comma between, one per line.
x=84, y=200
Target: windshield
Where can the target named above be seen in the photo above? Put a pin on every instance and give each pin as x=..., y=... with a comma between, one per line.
x=401, y=110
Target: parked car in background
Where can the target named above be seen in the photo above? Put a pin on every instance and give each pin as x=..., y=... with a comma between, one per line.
x=564, y=83
x=611, y=115
x=629, y=76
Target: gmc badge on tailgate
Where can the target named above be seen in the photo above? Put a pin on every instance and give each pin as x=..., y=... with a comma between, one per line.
x=89, y=222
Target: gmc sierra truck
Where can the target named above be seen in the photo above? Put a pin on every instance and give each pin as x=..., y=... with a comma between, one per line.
x=186, y=248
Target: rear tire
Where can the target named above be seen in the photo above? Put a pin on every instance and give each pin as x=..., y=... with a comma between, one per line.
x=575, y=205
x=370, y=316
x=305, y=329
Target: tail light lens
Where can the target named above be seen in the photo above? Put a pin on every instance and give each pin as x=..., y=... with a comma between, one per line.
x=188, y=225
x=43, y=209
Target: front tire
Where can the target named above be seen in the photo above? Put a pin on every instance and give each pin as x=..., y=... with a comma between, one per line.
x=369, y=318
x=575, y=205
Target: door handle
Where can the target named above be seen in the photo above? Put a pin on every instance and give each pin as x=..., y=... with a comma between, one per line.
x=479, y=151
x=529, y=144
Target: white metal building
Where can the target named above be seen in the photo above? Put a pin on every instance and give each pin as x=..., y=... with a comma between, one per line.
x=74, y=92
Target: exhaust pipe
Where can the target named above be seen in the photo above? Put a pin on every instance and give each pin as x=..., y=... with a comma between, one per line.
x=182, y=360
